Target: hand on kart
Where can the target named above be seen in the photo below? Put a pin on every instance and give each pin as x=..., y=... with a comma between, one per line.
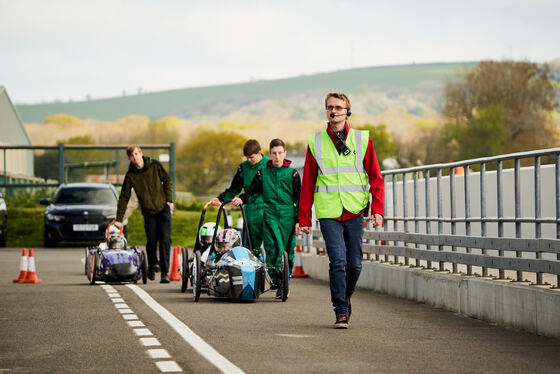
x=237, y=201
x=215, y=202
x=376, y=220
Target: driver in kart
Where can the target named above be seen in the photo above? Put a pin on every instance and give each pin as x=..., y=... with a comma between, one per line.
x=226, y=240
x=116, y=241
x=205, y=235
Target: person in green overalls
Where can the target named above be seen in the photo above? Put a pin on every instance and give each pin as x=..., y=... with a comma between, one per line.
x=254, y=207
x=280, y=186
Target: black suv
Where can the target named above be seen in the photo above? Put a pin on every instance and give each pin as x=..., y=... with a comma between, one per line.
x=3, y=222
x=79, y=212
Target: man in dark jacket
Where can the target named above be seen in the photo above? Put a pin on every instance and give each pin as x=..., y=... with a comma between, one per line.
x=154, y=189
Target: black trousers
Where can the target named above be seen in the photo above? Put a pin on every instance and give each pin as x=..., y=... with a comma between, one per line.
x=158, y=230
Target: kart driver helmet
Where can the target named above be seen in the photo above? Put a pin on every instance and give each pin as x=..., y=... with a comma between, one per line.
x=116, y=242
x=206, y=233
x=227, y=239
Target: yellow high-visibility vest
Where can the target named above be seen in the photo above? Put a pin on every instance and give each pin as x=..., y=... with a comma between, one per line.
x=342, y=181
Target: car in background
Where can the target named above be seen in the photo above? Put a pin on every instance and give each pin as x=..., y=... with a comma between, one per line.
x=3, y=222
x=79, y=212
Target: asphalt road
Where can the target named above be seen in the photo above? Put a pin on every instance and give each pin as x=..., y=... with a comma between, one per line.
x=66, y=325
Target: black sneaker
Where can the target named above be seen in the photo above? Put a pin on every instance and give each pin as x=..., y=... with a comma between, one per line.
x=341, y=322
x=151, y=274
x=164, y=279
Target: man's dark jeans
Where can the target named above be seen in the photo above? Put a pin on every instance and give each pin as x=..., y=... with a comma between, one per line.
x=158, y=230
x=344, y=247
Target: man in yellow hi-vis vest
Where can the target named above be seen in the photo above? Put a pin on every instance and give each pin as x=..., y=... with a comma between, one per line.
x=340, y=172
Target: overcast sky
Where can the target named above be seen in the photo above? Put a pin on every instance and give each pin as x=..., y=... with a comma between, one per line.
x=66, y=49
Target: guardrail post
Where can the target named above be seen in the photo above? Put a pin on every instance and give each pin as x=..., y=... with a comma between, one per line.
x=557, y=175
x=405, y=215
x=517, y=188
x=394, y=211
x=61, y=179
x=440, y=215
x=416, y=228
x=467, y=210
x=452, y=201
x=483, y=210
x=428, y=220
x=538, y=234
x=500, y=198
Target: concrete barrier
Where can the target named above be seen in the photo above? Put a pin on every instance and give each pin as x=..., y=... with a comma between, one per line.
x=534, y=309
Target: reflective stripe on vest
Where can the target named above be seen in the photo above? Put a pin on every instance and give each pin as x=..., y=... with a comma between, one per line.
x=341, y=180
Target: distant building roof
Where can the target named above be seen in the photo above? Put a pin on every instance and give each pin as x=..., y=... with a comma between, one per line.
x=12, y=131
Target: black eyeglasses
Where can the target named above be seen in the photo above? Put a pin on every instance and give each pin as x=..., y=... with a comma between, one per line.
x=337, y=108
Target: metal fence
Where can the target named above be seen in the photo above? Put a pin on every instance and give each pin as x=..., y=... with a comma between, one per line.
x=490, y=222
x=116, y=166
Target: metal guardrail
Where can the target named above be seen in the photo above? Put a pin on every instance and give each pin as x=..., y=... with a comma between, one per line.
x=63, y=168
x=498, y=254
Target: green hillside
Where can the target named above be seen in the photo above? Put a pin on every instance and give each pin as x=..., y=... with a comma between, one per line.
x=186, y=103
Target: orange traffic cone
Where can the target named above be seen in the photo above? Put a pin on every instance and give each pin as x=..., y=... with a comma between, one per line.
x=298, y=268
x=175, y=270
x=31, y=276
x=22, y=267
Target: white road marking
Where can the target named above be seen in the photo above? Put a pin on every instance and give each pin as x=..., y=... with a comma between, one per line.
x=135, y=323
x=150, y=342
x=125, y=311
x=113, y=294
x=118, y=300
x=158, y=353
x=129, y=316
x=143, y=332
x=295, y=336
x=203, y=348
x=168, y=366
x=120, y=305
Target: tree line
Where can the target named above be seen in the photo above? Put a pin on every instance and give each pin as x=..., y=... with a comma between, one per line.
x=495, y=108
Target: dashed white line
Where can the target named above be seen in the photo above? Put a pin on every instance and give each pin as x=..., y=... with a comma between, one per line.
x=140, y=330
x=150, y=342
x=203, y=348
x=158, y=353
x=143, y=332
x=168, y=366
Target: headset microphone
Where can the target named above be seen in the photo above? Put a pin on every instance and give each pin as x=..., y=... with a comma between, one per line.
x=347, y=114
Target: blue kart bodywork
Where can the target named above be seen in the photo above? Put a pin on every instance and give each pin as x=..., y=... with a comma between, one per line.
x=238, y=274
x=115, y=265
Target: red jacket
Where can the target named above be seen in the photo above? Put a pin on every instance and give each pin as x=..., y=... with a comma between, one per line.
x=371, y=165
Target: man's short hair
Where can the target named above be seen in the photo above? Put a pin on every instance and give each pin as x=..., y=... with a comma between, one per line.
x=251, y=147
x=277, y=143
x=341, y=96
x=131, y=149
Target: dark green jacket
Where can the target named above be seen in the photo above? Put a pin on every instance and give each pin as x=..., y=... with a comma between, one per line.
x=242, y=180
x=152, y=185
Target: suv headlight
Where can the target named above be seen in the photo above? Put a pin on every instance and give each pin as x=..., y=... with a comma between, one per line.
x=54, y=217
